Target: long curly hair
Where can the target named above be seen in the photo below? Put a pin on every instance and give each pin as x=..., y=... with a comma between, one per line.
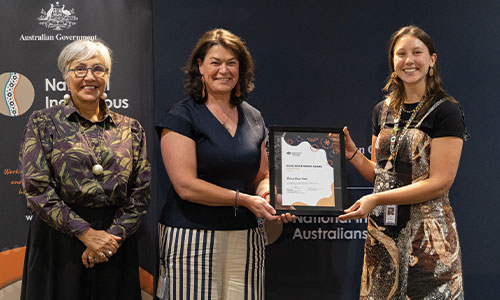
x=228, y=40
x=434, y=89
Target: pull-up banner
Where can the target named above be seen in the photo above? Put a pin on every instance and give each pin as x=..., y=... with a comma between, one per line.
x=32, y=35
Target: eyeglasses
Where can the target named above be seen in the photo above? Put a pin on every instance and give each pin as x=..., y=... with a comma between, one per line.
x=97, y=70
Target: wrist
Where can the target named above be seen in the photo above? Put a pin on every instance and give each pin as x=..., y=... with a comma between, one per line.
x=236, y=201
x=83, y=235
x=265, y=194
x=262, y=187
x=243, y=199
x=375, y=199
x=356, y=158
x=353, y=155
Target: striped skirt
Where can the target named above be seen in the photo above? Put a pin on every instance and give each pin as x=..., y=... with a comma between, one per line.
x=211, y=264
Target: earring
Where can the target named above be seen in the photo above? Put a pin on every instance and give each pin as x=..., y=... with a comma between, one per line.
x=104, y=96
x=66, y=98
x=237, y=92
x=431, y=71
x=202, y=87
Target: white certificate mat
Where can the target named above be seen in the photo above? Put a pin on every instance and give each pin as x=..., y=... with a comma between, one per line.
x=307, y=177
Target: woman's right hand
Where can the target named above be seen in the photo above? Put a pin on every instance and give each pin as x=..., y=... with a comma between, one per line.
x=100, y=241
x=89, y=258
x=350, y=146
x=259, y=207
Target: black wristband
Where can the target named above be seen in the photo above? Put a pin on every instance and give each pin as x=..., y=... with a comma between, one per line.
x=355, y=152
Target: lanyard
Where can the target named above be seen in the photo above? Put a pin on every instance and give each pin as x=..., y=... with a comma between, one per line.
x=396, y=141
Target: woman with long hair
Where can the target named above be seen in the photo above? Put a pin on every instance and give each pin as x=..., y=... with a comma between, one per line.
x=412, y=249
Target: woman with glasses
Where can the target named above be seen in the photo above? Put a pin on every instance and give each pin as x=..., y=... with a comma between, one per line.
x=86, y=178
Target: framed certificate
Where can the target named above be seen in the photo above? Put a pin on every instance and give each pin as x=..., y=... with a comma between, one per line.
x=307, y=170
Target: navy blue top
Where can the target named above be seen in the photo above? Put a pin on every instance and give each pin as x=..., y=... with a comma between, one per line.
x=229, y=162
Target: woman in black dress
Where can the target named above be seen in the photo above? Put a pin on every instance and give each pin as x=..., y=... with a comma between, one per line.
x=86, y=179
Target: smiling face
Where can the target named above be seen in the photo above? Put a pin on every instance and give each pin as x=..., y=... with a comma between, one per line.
x=90, y=87
x=220, y=69
x=412, y=61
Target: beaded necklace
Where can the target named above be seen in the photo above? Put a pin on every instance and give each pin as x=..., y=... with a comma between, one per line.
x=396, y=142
x=407, y=111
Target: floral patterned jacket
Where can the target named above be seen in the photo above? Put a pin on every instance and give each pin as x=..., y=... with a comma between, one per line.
x=60, y=148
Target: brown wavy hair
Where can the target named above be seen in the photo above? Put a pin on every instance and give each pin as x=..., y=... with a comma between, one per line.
x=434, y=89
x=228, y=40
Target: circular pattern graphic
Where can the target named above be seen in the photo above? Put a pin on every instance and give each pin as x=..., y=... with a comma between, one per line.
x=17, y=94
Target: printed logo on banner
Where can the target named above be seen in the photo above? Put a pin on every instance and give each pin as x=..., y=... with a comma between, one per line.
x=57, y=17
x=17, y=94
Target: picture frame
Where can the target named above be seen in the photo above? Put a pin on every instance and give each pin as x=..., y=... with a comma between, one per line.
x=307, y=170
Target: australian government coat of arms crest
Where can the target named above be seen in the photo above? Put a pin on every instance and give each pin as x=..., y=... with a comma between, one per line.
x=57, y=17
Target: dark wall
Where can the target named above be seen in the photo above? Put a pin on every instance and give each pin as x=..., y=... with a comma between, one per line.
x=323, y=63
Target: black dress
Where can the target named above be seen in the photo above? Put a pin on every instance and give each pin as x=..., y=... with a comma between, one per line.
x=53, y=268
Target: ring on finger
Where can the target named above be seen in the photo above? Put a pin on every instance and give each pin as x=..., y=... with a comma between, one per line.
x=110, y=253
x=102, y=255
x=90, y=258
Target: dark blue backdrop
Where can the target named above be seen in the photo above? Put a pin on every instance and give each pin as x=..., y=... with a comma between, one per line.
x=323, y=63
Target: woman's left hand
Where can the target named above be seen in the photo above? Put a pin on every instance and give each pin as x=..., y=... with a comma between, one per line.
x=286, y=218
x=360, y=209
x=100, y=241
x=283, y=218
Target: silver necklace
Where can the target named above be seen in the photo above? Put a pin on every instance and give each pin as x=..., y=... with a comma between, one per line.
x=97, y=168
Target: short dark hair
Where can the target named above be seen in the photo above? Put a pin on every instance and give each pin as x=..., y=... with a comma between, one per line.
x=228, y=40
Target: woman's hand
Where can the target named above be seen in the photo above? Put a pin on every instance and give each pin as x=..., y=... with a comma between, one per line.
x=91, y=258
x=365, y=166
x=350, y=146
x=283, y=218
x=259, y=206
x=286, y=218
x=361, y=208
x=100, y=242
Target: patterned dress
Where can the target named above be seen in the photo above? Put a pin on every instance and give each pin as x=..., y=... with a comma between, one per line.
x=60, y=148
x=419, y=257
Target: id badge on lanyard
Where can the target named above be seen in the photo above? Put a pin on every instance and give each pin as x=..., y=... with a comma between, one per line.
x=391, y=215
